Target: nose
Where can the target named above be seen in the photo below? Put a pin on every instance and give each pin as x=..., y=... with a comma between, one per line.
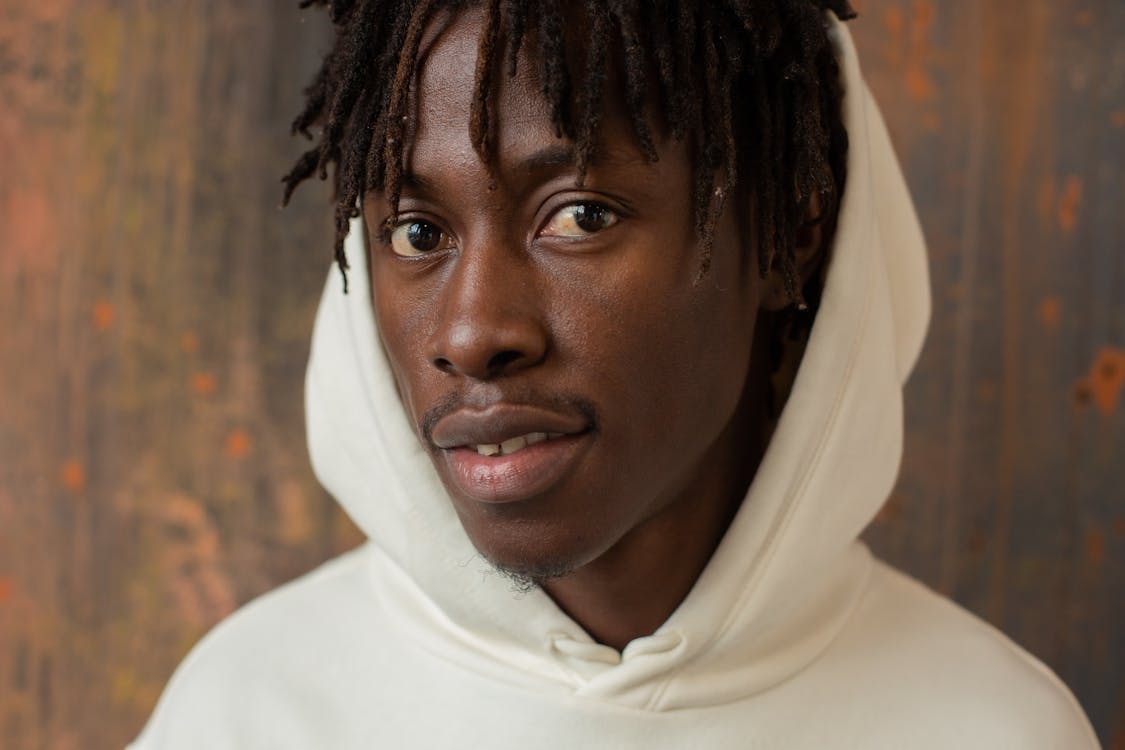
x=490, y=320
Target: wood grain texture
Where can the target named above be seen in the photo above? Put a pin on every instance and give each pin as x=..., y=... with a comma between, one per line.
x=154, y=326
x=1010, y=122
x=155, y=309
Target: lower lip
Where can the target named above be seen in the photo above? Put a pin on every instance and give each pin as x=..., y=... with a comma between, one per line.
x=519, y=476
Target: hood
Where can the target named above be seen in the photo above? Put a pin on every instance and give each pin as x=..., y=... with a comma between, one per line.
x=789, y=570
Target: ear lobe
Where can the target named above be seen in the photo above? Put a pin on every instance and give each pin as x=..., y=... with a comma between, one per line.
x=810, y=248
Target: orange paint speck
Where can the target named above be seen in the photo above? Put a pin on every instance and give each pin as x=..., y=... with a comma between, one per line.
x=919, y=83
x=1084, y=18
x=1118, y=118
x=74, y=476
x=923, y=15
x=5, y=589
x=1069, y=203
x=893, y=20
x=1050, y=312
x=189, y=343
x=1095, y=546
x=1105, y=381
x=203, y=383
x=103, y=315
x=238, y=444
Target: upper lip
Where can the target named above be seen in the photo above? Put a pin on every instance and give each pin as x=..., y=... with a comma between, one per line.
x=500, y=422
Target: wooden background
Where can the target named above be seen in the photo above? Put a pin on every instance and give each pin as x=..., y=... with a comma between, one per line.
x=155, y=309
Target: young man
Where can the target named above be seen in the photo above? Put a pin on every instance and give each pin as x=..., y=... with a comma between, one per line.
x=633, y=291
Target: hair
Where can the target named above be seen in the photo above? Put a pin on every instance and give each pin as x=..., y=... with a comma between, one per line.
x=753, y=85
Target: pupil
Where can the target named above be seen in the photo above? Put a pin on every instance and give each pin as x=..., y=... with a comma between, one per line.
x=423, y=236
x=589, y=217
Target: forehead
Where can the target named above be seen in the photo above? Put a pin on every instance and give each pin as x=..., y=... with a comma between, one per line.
x=446, y=77
x=516, y=109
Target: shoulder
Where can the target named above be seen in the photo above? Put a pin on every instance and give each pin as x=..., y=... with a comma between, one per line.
x=955, y=675
x=267, y=655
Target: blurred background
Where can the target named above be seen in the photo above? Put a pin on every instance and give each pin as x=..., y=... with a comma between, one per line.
x=156, y=306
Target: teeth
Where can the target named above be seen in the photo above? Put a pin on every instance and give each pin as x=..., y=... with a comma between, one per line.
x=515, y=444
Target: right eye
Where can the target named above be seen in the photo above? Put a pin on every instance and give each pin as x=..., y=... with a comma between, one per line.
x=416, y=237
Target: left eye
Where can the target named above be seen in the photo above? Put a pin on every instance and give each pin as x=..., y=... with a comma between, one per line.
x=580, y=220
x=413, y=238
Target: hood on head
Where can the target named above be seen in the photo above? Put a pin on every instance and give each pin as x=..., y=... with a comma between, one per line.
x=788, y=570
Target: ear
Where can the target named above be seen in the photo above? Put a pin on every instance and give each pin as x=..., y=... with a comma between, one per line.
x=811, y=247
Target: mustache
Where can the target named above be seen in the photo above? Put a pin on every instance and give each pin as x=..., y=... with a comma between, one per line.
x=456, y=400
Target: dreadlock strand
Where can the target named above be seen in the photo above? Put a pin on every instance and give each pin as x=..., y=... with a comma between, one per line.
x=394, y=147
x=684, y=105
x=515, y=12
x=301, y=171
x=347, y=69
x=711, y=197
x=480, y=120
x=636, y=94
x=556, y=79
x=316, y=94
x=660, y=37
x=591, y=97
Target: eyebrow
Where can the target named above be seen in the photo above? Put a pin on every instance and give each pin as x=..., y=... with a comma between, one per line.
x=546, y=159
x=563, y=155
x=551, y=157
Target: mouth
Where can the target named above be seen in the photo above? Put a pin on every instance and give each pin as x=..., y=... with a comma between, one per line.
x=509, y=453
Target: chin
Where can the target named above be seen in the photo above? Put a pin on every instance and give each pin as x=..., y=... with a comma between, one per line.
x=527, y=553
x=525, y=577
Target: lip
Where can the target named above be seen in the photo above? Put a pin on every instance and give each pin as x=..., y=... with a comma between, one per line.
x=518, y=476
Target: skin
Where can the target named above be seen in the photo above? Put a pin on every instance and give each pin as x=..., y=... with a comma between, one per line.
x=612, y=327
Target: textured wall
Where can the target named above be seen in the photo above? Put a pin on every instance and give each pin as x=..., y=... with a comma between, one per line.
x=155, y=309
x=1010, y=120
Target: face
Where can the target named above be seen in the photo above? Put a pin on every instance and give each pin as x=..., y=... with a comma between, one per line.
x=568, y=372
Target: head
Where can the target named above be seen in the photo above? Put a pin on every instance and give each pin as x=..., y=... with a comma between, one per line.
x=582, y=220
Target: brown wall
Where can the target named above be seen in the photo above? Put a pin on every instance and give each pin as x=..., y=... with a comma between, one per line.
x=155, y=309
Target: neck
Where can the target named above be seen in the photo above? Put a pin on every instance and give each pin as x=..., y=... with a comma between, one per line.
x=633, y=588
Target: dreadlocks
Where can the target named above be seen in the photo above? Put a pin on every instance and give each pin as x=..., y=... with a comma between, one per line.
x=752, y=84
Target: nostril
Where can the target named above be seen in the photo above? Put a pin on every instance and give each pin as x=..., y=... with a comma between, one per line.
x=501, y=360
x=443, y=364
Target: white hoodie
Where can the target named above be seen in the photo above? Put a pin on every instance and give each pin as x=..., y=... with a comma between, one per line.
x=793, y=637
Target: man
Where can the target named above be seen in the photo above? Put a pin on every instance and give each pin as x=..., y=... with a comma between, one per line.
x=585, y=245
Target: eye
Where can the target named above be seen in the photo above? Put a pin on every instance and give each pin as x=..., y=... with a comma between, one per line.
x=579, y=220
x=413, y=238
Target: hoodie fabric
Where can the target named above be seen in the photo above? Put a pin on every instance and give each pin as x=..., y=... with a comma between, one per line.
x=793, y=637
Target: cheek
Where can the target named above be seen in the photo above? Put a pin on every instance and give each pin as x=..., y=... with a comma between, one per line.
x=400, y=320
x=668, y=356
